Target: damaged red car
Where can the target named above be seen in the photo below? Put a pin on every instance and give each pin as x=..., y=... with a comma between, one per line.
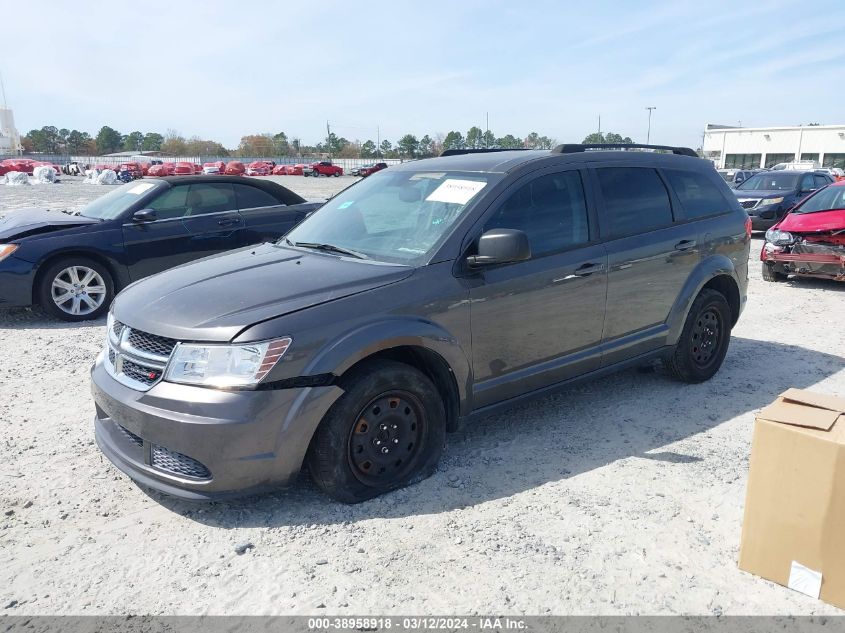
x=810, y=240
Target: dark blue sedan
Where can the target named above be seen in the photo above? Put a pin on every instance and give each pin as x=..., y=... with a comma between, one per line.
x=73, y=264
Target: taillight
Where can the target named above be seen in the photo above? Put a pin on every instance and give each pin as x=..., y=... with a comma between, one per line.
x=748, y=228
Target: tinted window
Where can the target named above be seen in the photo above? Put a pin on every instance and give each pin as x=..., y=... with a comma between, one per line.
x=807, y=182
x=252, y=197
x=635, y=200
x=210, y=198
x=698, y=195
x=171, y=204
x=551, y=210
x=820, y=180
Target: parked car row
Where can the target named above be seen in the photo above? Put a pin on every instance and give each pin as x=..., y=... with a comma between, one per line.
x=25, y=165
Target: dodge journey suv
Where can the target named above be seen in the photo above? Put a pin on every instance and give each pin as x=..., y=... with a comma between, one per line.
x=425, y=295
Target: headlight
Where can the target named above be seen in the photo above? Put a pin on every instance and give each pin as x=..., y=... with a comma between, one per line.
x=224, y=365
x=767, y=201
x=778, y=237
x=6, y=250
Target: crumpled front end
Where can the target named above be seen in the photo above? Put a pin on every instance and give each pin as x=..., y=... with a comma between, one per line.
x=817, y=255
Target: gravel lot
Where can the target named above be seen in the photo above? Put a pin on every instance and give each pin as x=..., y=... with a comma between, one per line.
x=620, y=496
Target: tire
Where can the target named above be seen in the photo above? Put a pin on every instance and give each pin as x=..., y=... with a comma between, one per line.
x=89, y=299
x=704, y=341
x=349, y=458
x=337, y=174
x=770, y=274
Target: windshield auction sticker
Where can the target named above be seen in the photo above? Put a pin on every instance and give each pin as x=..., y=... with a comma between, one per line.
x=140, y=188
x=456, y=191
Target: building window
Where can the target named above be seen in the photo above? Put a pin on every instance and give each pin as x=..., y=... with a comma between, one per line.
x=812, y=157
x=774, y=159
x=742, y=161
x=834, y=160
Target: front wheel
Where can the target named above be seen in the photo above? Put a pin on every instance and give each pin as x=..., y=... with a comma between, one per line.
x=770, y=274
x=76, y=289
x=704, y=341
x=337, y=174
x=385, y=432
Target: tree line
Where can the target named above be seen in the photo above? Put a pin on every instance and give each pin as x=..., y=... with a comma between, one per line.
x=52, y=140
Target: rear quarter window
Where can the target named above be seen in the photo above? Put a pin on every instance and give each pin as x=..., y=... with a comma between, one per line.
x=699, y=195
x=635, y=200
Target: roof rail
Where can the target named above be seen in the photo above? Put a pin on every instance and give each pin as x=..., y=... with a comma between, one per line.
x=480, y=150
x=575, y=148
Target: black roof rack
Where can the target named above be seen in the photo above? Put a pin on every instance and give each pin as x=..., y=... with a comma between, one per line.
x=575, y=148
x=481, y=150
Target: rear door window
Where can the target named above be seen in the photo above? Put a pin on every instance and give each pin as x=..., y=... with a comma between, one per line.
x=210, y=198
x=635, y=200
x=252, y=197
x=699, y=196
x=821, y=181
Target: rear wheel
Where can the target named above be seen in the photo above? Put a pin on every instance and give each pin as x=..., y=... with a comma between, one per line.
x=386, y=431
x=76, y=289
x=770, y=274
x=337, y=174
x=704, y=341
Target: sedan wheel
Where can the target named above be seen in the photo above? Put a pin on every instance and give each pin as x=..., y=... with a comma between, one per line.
x=76, y=290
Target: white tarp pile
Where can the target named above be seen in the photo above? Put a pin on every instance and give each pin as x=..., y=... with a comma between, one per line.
x=105, y=177
x=15, y=179
x=44, y=175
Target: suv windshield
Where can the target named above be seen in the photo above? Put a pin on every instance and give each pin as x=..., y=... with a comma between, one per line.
x=116, y=201
x=827, y=199
x=393, y=216
x=781, y=181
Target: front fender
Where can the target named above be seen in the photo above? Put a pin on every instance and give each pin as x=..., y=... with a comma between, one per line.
x=709, y=268
x=342, y=353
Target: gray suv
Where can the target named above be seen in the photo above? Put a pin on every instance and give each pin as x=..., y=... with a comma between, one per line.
x=419, y=298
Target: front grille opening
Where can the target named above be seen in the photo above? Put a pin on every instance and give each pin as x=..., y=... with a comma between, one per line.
x=117, y=329
x=139, y=373
x=112, y=356
x=151, y=343
x=129, y=435
x=172, y=462
x=748, y=204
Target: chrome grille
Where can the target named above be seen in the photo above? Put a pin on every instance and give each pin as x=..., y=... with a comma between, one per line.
x=150, y=343
x=748, y=204
x=112, y=356
x=117, y=329
x=177, y=463
x=137, y=441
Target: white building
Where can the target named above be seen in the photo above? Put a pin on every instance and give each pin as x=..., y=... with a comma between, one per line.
x=10, y=140
x=752, y=147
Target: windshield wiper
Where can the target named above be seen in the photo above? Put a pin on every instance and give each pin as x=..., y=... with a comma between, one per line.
x=331, y=248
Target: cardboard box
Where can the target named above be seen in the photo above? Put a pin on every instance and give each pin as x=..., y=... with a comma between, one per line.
x=794, y=527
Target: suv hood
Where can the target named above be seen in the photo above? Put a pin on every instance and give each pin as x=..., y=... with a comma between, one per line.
x=24, y=222
x=217, y=297
x=811, y=222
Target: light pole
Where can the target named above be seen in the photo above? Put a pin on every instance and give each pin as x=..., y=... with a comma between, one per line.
x=648, y=134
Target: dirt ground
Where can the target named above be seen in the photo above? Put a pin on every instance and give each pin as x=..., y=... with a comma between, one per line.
x=621, y=496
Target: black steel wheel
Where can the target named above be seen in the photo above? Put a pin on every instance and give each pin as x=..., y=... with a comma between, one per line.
x=704, y=340
x=386, y=431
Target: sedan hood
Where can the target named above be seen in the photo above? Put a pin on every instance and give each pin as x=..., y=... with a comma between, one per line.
x=24, y=222
x=756, y=195
x=812, y=222
x=215, y=298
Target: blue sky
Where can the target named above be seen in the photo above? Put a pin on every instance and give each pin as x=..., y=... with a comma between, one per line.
x=220, y=70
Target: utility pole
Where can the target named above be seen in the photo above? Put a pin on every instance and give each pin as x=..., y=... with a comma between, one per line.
x=378, y=142
x=648, y=134
x=487, y=129
x=599, y=125
x=328, y=139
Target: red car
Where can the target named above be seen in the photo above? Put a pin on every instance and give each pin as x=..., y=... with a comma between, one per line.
x=280, y=170
x=217, y=167
x=160, y=170
x=809, y=241
x=234, y=168
x=368, y=170
x=259, y=168
x=135, y=170
x=24, y=165
x=183, y=168
x=323, y=168
x=295, y=170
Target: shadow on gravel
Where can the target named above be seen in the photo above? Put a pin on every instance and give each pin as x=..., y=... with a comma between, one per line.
x=35, y=318
x=631, y=414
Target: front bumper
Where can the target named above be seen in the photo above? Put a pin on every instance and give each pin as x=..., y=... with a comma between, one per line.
x=764, y=218
x=16, y=279
x=206, y=444
x=826, y=266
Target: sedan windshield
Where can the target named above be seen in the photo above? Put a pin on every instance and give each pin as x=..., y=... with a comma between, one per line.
x=393, y=216
x=827, y=199
x=780, y=181
x=116, y=201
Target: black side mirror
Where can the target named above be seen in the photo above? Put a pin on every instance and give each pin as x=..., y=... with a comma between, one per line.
x=144, y=215
x=501, y=246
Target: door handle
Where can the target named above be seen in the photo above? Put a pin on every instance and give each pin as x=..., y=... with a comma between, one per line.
x=228, y=221
x=685, y=245
x=585, y=270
